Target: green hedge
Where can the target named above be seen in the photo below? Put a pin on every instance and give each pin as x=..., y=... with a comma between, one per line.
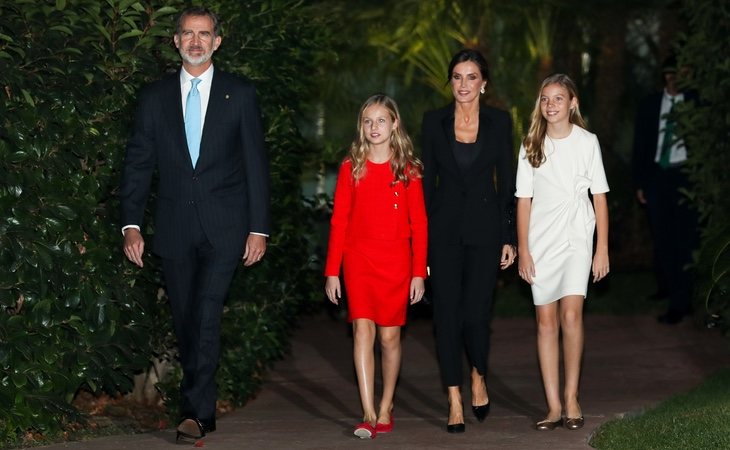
x=704, y=51
x=76, y=314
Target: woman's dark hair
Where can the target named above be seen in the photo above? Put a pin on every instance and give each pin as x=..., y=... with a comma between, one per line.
x=472, y=55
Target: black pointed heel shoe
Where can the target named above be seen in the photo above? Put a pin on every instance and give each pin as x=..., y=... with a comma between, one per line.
x=481, y=412
x=456, y=428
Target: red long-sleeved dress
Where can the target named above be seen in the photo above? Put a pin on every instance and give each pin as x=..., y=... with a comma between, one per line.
x=379, y=236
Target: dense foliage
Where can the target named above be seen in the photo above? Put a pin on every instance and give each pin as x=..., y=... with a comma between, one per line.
x=75, y=313
x=706, y=126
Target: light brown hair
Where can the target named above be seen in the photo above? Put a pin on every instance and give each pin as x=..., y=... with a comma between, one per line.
x=534, y=141
x=403, y=163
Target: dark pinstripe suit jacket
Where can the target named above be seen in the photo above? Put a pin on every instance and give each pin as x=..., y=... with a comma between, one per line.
x=228, y=191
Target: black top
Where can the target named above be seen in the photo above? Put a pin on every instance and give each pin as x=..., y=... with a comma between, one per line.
x=465, y=154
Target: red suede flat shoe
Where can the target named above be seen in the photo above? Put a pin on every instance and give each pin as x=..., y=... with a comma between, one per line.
x=365, y=431
x=385, y=427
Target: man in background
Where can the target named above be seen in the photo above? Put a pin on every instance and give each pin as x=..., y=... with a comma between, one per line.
x=659, y=155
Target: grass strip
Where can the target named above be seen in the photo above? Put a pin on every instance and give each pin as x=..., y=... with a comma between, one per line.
x=698, y=419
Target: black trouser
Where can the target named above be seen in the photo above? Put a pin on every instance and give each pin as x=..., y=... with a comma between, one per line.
x=197, y=286
x=462, y=279
x=673, y=227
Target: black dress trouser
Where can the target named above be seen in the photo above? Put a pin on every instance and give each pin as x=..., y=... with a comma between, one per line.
x=462, y=280
x=197, y=286
x=674, y=229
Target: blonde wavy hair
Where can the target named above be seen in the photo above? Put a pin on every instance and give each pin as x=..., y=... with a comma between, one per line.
x=403, y=163
x=533, y=142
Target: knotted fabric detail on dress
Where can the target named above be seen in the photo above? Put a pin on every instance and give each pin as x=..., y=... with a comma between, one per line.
x=581, y=218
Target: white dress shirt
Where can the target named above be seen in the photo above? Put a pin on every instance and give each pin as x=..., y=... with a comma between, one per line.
x=678, y=152
x=206, y=79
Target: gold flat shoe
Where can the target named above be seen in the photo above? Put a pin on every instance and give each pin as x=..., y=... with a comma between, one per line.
x=574, y=424
x=548, y=425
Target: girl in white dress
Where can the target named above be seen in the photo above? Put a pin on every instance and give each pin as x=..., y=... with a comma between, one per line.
x=559, y=163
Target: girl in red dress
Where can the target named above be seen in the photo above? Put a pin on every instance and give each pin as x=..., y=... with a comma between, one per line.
x=378, y=234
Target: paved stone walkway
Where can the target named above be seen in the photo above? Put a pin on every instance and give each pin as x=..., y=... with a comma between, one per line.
x=310, y=399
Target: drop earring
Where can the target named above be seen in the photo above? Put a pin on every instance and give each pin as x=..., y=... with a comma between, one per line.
x=482, y=90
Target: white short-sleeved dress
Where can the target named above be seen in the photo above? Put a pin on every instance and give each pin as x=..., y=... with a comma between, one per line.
x=562, y=220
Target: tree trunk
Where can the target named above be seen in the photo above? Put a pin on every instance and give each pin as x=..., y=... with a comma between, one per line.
x=610, y=76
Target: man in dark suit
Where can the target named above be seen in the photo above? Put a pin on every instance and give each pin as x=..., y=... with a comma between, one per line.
x=200, y=129
x=658, y=159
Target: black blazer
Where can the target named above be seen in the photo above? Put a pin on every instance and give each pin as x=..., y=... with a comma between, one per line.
x=474, y=207
x=646, y=136
x=228, y=191
x=646, y=139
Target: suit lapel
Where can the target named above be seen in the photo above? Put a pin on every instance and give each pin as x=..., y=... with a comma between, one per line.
x=173, y=115
x=213, y=115
x=447, y=124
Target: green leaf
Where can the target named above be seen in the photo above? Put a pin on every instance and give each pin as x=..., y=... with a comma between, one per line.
x=62, y=28
x=19, y=379
x=73, y=300
x=65, y=212
x=17, y=157
x=44, y=256
x=28, y=98
x=50, y=356
x=132, y=33
x=164, y=11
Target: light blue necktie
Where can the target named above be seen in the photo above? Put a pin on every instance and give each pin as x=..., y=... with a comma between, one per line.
x=192, y=121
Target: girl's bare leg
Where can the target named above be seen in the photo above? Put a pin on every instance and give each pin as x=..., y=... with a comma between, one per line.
x=363, y=354
x=571, y=319
x=391, y=361
x=548, y=353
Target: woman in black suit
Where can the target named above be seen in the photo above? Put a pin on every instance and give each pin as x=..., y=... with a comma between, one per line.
x=469, y=187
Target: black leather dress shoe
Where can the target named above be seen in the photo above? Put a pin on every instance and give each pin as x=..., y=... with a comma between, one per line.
x=481, y=412
x=456, y=428
x=190, y=429
x=208, y=425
